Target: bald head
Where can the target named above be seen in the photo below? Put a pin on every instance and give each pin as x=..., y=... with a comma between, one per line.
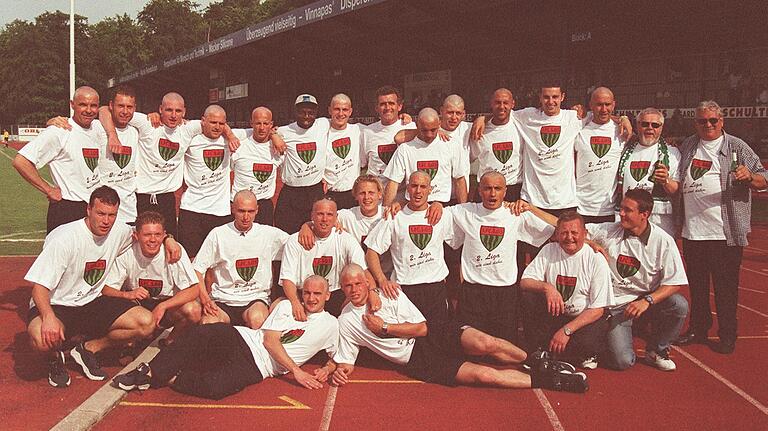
x=340, y=109
x=244, y=196
x=453, y=100
x=85, y=91
x=315, y=280
x=602, y=104
x=427, y=114
x=244, y=210
x=601, y=91
x=214, y=110
x=417, y=176
x=427, y=125
x=172, y=110
x=502, y=103
x=351, y=270
x=261, y=122
x=213, y=122
x=173, y=97
x=452, y=112
x=85, y=106
x=341, y=98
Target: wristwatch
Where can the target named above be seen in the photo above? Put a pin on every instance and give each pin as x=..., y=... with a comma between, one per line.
x=567, y=331
x=385, y=328
x=648, y=298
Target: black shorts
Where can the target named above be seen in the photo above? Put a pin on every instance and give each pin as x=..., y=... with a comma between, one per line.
x=294, y=206
x=437, y=357
x=63, y=212
x=151, y=303
x=164, y=203
x=235, y=312
x=491, y=309
x=431, y=299
x=335, y=303
x=343, y=199
x=92, y=320
x=194, y=227
x=599, y=219
x=266, y=215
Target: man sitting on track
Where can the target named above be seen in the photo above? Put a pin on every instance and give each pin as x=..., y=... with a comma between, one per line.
x=398, y=333
x=68, y=277
x=142, y=274
x=236, y=357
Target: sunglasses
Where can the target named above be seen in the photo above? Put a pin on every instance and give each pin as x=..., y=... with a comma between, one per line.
x=650, y=124
x=703, y=121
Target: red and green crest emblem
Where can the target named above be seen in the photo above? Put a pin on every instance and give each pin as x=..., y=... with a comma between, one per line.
x=341, y=147
x=94, y=271
x=154, y=287
x=122, y=156
x=639, y=169
x=213, y=158
x=600, y=145
x=420, y=235
x=428, y=166
x=291, y=336
x=307, y=151
x=699, y=168
x=491, y=236
x=262, y=171
x=91, y=157
x=627, y=266
x=502, y=151
x=167, y=148
x=549, y=135
x=565, y=286
x=386, y=151
x=322, y=265
x=246, y=268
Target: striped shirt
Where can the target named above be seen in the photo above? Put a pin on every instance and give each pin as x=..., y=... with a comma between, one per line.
x=736, y=208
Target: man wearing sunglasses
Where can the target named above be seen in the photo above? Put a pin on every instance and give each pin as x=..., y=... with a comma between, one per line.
x=718, y=173
x=649, y=163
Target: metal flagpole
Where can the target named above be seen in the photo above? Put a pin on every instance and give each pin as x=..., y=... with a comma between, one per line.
x=71, y=52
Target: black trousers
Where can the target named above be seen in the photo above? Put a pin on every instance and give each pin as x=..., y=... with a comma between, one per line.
x=266, y=215
x=63, y=212
x=540, y=326
x=713, y=261
x=342, y=199
x=431, y=299
x=491, y=309
x=194, y=227
x=163, y=203
x=209, y=361
x=294, y=206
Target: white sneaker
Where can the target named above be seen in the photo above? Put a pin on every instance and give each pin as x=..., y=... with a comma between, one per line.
x=589, y=363
x=660, y=360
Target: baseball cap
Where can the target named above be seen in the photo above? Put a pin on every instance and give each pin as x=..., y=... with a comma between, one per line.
x=306, y=98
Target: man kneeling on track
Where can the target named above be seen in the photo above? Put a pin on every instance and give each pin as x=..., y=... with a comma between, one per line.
x=142, y=274
x=237, y=356
x=399, y=333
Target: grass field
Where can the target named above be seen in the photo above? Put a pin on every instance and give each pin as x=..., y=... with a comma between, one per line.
x=22, y=210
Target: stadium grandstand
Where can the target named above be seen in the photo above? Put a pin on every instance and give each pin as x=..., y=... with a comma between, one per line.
x=671, y=56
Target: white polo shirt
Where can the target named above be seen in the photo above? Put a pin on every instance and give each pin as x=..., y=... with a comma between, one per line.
x=598, y=150
x=342, y=164
x=255, y=166
x=500, y=150
x=305, y=153
x=206, y=172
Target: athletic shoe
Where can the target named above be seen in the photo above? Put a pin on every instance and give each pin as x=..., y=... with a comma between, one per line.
x=555, y=366
x=88, y=362
x=534, y=359
x=58, y=377
x=136, y=379
x=562, y=380
x=589, y=363
x=660, y=360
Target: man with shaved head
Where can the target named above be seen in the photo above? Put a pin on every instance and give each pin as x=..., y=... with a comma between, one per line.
x=342, y=165
x=255, y=163
x=598, y=149
x=73, y=157
x=205, y=202
x=442, y=160
x=332, y=250
x=239, y=255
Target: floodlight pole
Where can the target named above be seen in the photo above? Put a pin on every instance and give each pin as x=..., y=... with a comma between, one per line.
x=71, y=52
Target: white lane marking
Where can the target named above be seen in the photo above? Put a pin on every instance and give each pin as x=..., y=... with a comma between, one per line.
x=551, y=415
x=21, y=240
x=723, y=380
x=751, y=290
x=11, y=235
x=330, y=402
x=752, y=270
x=744, y=307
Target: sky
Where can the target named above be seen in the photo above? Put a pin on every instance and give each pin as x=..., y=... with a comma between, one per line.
x=95, y=10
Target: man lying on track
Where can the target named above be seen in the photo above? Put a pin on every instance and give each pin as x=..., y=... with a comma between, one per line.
x=237, y=356
x=439, y=354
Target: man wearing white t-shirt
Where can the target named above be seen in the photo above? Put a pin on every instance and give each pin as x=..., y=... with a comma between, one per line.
x=303, y=166
x=342, y=165
x=331, y=251
x=569, y=289
x=501, y=147
x=417, y=252
x=73, y=157
x=239, y=255
x=490, y=234
x=378, y=144
x=442, y=160
x=237, y=357
x=255, y=163
x=68, y=277
x=205, y=203
x=647, y=273
x=598, y=149
x=718, y=172
x=650, y=164
x=142, y=274
x=399, y=333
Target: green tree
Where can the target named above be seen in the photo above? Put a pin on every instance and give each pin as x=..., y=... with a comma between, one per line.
x=171, y=26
